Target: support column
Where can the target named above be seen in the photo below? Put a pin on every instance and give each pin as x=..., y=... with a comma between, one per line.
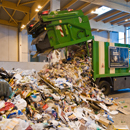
x=109, y=39
x=55, y=4
x=125, y=39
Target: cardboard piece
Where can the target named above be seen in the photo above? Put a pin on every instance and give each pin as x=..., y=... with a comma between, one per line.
x=104, y=121
x=123, y=111
x=113, y=108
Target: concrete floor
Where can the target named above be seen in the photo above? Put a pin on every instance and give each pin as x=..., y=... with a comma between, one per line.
x=124, y=97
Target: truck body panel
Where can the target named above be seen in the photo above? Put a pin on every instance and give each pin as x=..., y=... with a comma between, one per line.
x=101, y=61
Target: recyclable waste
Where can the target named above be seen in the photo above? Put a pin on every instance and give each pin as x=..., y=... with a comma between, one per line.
x=62, y=96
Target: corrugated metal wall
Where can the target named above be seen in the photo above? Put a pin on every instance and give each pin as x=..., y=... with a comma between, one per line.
x=8, y=43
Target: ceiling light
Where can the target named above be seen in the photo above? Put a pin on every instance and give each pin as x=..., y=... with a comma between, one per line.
x=92, y=12
x=39, y=7
x=126, y=20
x=37, y=10
x=22, y=26
x=101, y=10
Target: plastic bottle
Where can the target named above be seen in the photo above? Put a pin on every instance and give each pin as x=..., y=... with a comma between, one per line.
x=110, y=119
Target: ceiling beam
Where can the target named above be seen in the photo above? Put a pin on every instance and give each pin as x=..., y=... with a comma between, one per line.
x=127, y=0
x=83, y=6
x=14, y=6
x=92, y=9
x=119, y=20
x=98, y=30
x=106, y=15
x=10, y=15
x=92, y=16
x=115, y=17
x=18, y=2
x=33, y=13
x=4, y=22
x=69, y=4
x=92, y=30
x=114, y=4
x=29, y=2
x=127, y=25
x=14, y=10
x=125, y=22
x=101, y=30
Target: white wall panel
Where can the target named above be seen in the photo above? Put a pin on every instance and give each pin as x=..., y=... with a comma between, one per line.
x=13, y=44
x=106, y=26
x=8, y=43
x=23, y=65
x=4, y=43
x=23, y=44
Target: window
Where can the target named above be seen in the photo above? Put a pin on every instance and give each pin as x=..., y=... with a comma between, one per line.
x=101, y=10
x=121, y=37
x=128, y=35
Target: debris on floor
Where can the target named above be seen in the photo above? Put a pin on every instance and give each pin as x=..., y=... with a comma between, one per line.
x=61, y=96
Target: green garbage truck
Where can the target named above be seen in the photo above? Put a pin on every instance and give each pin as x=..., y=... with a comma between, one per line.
x=59, y=29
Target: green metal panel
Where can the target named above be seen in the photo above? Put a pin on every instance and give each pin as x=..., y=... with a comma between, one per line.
x=76, y=31
x=58, y=15
x=107, y=69
x=118, y=71
x=95, y=59
x=73, y=42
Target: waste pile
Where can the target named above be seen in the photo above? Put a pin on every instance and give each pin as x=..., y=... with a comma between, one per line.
x=59, y=97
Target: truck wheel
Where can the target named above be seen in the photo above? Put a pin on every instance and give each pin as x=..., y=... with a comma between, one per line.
x=105, y=87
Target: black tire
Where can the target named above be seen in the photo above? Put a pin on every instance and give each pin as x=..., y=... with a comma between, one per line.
x=105, y=87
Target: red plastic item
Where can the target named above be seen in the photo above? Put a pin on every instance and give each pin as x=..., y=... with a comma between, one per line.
x=29, y=128
x=45, y=107
x=45, y=12
x=8, y=105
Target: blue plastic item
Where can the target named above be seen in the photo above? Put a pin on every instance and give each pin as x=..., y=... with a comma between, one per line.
x=11, y=114
x=19, y=112
x=110, y=119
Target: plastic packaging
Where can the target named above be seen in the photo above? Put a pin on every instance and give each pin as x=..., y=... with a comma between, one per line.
x=21, y=104
x=110, y=119
x=2, y=104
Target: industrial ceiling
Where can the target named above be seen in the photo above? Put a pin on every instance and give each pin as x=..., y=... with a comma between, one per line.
x=20, y=12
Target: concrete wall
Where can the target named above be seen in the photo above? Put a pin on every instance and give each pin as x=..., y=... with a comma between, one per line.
x=8, y=43
x=23, y=65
